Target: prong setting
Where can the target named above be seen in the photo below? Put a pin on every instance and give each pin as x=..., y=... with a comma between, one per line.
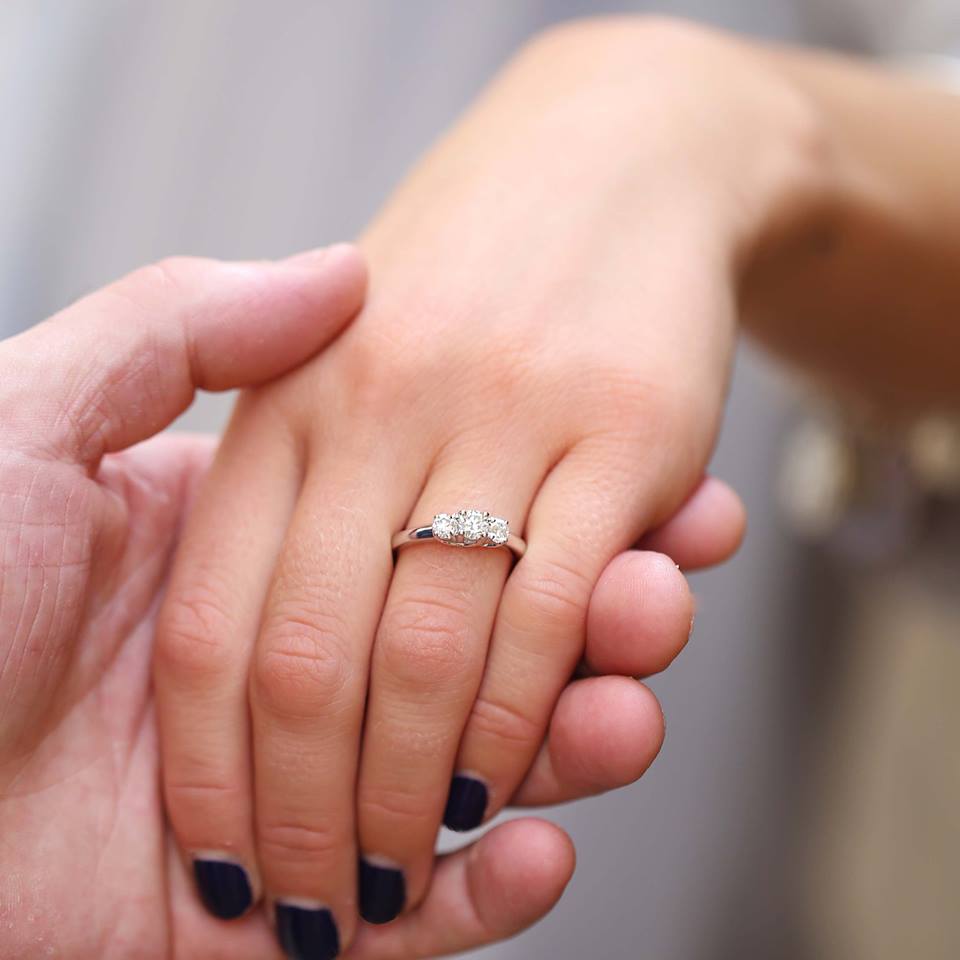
x=470, y=528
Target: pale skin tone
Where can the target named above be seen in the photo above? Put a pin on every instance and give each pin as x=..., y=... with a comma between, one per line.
x=596, y=219
x=547, y=336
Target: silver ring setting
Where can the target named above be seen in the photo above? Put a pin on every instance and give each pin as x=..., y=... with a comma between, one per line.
x=465, y=528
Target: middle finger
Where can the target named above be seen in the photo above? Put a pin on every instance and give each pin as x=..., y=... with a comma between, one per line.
x=308, y=684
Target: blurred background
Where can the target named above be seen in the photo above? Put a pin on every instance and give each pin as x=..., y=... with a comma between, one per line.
x=805, y=801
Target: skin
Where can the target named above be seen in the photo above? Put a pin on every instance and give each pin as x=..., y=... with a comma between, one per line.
x=620, y=425
x=469, y=379
x=466, y=380
x=87, y=527
x=548, y=336
x=864, y=296
x=89, y=519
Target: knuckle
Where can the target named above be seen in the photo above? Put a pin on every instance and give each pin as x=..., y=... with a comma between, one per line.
x=634, y=409
x=215, y=796
x=505, y=723
x=383, y=372
x=425, y=642
x=678, y=412
x=300, y=670
x=553, y=594
x=298, y=843
x=162, y=277
x=630, y=405
x=377, y=378
x=419, y=742
x=192, y=646
x=383, y=804
x=163, y=281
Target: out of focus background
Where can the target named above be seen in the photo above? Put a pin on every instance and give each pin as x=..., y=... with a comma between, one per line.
x=805, y=801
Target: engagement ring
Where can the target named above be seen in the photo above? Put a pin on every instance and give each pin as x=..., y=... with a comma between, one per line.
x=466, y=528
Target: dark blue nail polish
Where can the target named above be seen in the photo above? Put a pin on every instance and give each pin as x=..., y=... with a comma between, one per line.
x=466, y=804
x=383, y=892
x=224, y=888
x=307, y=933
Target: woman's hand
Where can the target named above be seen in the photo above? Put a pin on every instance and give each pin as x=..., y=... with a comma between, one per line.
x=548, y=338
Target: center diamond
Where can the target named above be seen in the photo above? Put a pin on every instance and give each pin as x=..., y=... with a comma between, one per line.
x=473, y=525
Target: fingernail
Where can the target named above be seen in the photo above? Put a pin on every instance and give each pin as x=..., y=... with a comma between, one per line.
x=383, y=892
x=307, y=933
x=466, y=804
x=224, y=888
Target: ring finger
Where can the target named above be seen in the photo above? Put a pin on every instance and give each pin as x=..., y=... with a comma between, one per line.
x=426, y=667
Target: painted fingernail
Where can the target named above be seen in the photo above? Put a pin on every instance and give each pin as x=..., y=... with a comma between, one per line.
x=466, y=804
x=224, y=887
x=383, y=892
x=307, y=933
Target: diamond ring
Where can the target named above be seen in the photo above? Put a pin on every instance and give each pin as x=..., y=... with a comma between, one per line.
x=466, y=528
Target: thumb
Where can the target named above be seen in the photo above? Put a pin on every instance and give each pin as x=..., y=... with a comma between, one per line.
x=122, y=363
x=491, y=890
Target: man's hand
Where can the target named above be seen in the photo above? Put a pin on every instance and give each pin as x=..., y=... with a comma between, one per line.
x=86, y=531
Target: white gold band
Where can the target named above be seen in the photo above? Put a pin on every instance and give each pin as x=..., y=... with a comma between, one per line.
x=466, y=528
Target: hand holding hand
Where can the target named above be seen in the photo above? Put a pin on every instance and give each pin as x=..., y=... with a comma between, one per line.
x=88, y=521
x=554, y=353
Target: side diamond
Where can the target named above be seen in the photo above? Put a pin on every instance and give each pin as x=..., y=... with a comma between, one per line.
x=445, y=527
x=498, y=530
